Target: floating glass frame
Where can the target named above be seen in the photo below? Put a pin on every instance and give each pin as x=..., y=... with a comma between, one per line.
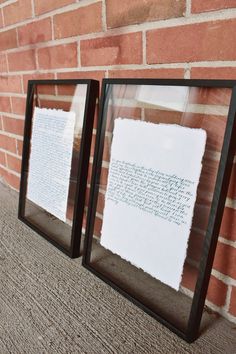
x=79, y=98
x=210, y=105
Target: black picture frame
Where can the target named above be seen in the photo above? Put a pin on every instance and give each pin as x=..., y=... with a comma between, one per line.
x=92, y=93
x=216, y=210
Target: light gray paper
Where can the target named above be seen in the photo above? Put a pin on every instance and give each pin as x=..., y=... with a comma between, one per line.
x=50, y=160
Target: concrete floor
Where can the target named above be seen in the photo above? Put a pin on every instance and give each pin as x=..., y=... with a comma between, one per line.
x=51, y=304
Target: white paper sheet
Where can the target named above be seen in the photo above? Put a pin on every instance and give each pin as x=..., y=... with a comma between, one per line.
x=152, y=182
x=50, y=160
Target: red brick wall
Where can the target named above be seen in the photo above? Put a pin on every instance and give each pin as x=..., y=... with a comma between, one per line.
x=118, y=38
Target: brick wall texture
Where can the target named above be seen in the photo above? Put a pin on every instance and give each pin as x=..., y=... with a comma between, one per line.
x=118, y=38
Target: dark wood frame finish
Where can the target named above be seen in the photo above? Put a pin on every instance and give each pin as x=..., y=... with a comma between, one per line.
x=90, y=104
x=216, y=211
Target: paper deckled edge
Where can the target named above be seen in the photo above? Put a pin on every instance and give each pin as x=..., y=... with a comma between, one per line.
x=161, y=124
x=191, y=223
x=200, y=171
x=138, y=267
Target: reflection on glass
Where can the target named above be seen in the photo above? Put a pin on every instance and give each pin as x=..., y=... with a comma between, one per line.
x=193, y=107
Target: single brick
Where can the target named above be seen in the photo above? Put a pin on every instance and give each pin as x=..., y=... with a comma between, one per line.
x=11, y=83
x=17, y=12
x=214, y=73
x=122, y=49
x=42, y=6
x=1, y=18
x=14, y=163
x=13, y=180
x=60, y=56
x=18, y=105
x=19, y=145
x=8, y=40
x=232, y=308
x=5, y=104
x=3, y=63
x=225, y=260
x=14, y=126
x=2, y=158
x=211, y=5
x=7, y=143
x=155, y=115
x=228, y=225
x=196, y=42
x=217, y=291
x=21, y=61
x=123, y=12
x=35, y=32
x=87, y=19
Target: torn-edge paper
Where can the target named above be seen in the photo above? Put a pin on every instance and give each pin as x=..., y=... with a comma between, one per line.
x=152, y=184
x=50, y=160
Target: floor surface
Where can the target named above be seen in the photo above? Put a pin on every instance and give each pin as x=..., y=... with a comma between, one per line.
x=51, y=304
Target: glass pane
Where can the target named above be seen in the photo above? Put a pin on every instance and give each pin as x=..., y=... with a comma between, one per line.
x=68, y=98
x=192, y=107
